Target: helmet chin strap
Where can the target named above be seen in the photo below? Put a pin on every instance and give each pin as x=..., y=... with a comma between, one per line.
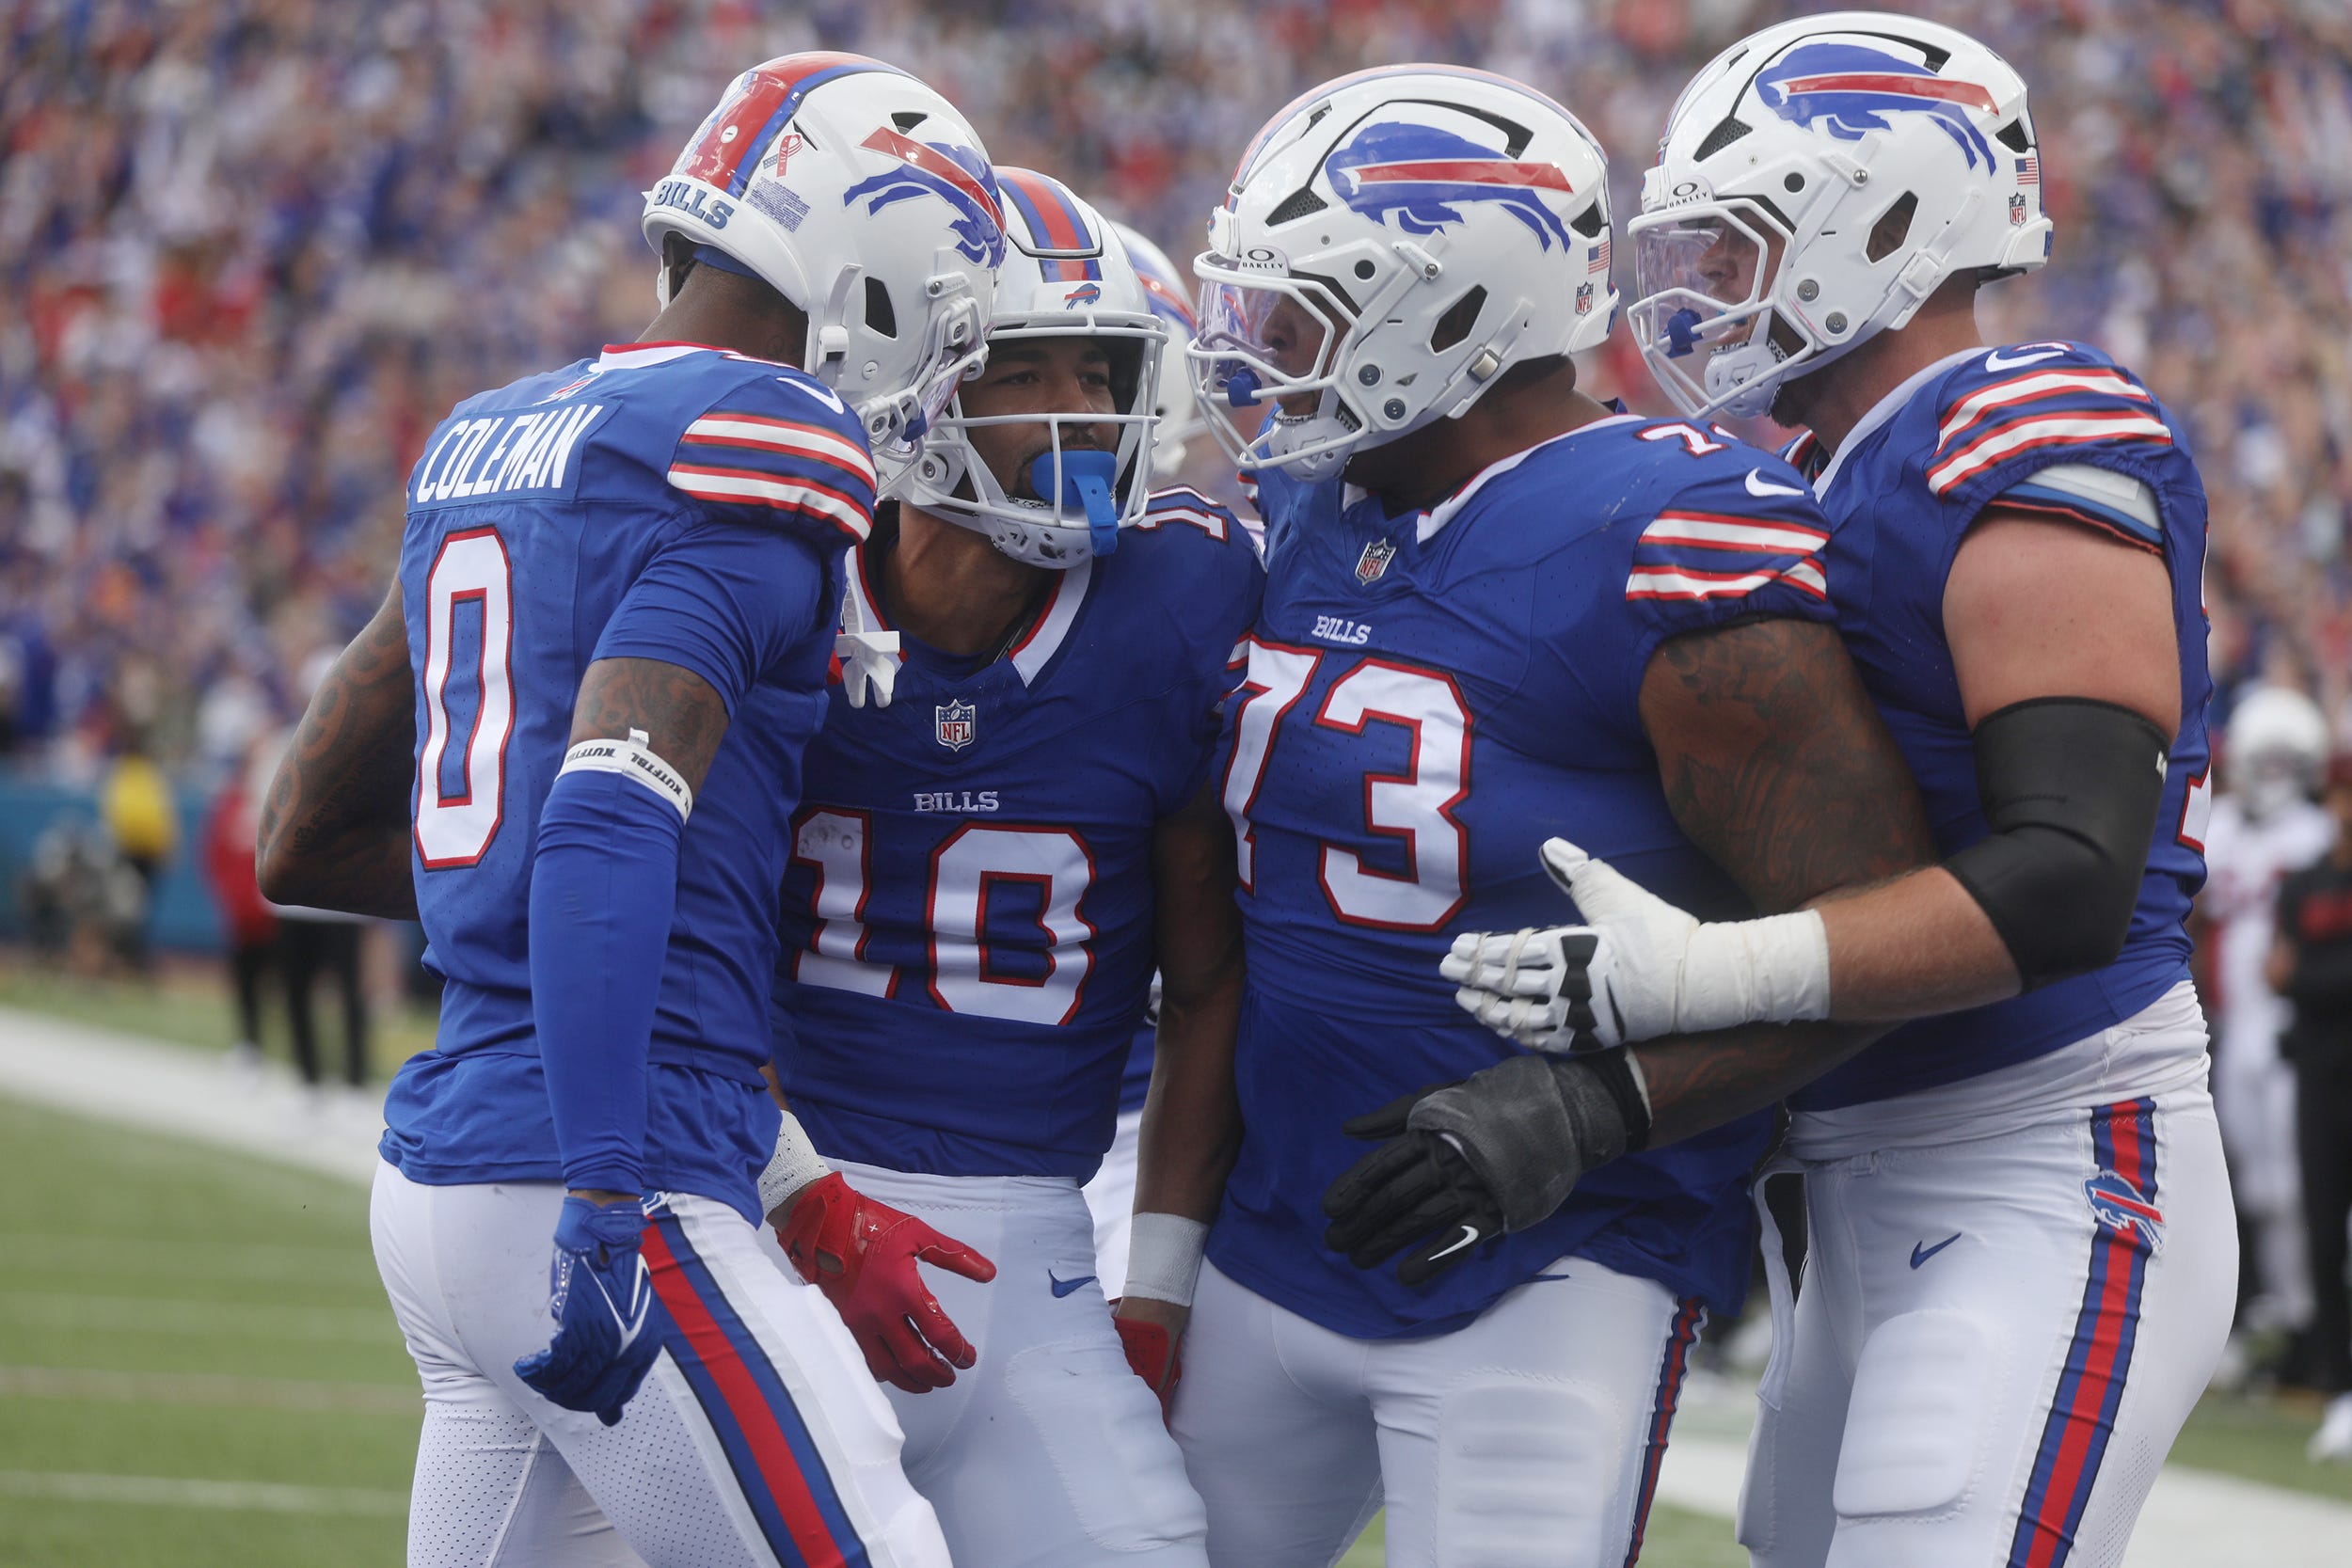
x=1085, y=478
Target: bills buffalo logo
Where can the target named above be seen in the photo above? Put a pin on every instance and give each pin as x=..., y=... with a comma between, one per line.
x=1423, y=176
x=2124, y=1209
x=1848, y=89
x=1084, y=293
x=1375, y=560
x=956, y=175
x=955, y=724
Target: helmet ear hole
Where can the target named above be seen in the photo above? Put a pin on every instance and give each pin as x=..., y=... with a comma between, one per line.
x=879, y=317
x=1893, y=228
x=1459, y=318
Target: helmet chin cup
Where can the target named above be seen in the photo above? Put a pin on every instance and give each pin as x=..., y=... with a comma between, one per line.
x=1082, y=480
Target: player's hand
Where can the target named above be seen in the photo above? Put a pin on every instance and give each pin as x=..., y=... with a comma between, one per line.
x=1151, y=1333
x=862, y=1253
x=1580, y=988
x=1415, y=1188
x=1462, y=1163
x=600, y=1295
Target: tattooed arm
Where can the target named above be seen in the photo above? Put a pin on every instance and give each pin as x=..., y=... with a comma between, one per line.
x=1777, y=765
x=335, y=827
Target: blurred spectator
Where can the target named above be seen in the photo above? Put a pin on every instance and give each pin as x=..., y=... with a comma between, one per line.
x=83, y=904
x=2265, y=825
x=2312, y=966
x=136, y=803
x=254, y=249
x=229, y=833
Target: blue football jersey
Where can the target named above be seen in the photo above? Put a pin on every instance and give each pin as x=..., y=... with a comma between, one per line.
x=968, y=913
x=2017, y=427
x=1429, y=697
x=665, y=502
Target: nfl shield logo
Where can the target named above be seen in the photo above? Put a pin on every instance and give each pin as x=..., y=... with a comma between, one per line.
x=1583, y=299
x=1375, y=560
x=955, y=723
x=2017, y=210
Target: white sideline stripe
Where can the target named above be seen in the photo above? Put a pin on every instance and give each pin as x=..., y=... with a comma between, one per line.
x=243, y=1496
x=89, y=1384
x=2194, y=1518
x=356, y=1325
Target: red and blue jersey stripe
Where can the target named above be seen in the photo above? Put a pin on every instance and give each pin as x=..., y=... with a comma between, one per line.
x=2027, y=401
x=744, y=124
x=776, y=447
x=2081, y=1419
x=1725, y=538
x=774, y=1458
x=1073, y=251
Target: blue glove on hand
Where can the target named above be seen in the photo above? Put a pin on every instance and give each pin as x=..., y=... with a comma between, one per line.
x=600, y=1295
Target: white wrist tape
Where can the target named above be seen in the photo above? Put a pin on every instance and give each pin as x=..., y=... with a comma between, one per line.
x=631, y=758
x=1164, y=1258
x=794, y=1165
x=1770, y=970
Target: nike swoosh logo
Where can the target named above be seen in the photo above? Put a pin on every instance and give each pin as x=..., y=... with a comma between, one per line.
x=1921, y=1252
x=1064, y=1287
x=1759, y=486
x=822, y=394
x=1998, y=361
x=1544, y=1276
x=1468, y=1238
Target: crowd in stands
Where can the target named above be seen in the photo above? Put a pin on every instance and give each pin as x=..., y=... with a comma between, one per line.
x=252, y=249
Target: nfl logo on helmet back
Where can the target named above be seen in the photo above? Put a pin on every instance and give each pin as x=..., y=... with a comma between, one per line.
x=956, y=723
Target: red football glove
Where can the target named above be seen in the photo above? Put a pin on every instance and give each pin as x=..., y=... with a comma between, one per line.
x=1153, y=1357
x=862, y=1253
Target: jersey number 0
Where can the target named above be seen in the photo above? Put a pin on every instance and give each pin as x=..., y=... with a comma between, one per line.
x=471, y=578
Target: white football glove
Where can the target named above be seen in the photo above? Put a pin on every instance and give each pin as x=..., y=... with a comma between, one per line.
x=1640, y=968
x=869, y=660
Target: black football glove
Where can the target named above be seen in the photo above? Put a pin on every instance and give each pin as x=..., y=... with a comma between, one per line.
x=1462, y=1163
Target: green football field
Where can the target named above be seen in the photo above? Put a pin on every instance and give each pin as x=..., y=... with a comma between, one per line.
x=198, y=1365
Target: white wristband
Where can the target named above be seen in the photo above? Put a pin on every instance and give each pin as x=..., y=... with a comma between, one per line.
x=1164, y=1258
x=794, y=1165
x=635, y=759
x=1769, y=971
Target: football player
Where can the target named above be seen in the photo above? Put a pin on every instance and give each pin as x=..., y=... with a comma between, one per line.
x=608, y=645
x=2265, y=825
x=1110, y=1192
x=1495, y=608
x=2022, y=1247
x=983, y=874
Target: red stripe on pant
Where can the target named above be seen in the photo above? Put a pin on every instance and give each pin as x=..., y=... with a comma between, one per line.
x=766, y=1439
x=1686, y=1330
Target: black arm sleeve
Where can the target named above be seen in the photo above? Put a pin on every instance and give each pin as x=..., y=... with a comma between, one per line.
x=2071, y=787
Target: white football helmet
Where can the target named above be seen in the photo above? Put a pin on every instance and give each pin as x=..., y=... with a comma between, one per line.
x=1392, y=242
x=2277, y=745
x=865, y=198
x=1065, y=276
x=1171, y=301
x=1817, y=182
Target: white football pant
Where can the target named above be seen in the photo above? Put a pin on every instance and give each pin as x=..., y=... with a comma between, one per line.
x=2015, y=1288
x=1111, y=1199
x=757, y=1441
x=1529, y=1438
x=1048, y=1452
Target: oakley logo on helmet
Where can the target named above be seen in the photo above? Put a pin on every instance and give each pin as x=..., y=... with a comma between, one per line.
x=956, y=175
x=1422, y=174
x=1848, y=89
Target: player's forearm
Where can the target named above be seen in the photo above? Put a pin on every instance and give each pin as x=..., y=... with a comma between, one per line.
x=333, y=831
x=1912, y=947
x=1191, y=1132
x=1697, y=1083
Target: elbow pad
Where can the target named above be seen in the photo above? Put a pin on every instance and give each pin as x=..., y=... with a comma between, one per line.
x=2071, y=787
